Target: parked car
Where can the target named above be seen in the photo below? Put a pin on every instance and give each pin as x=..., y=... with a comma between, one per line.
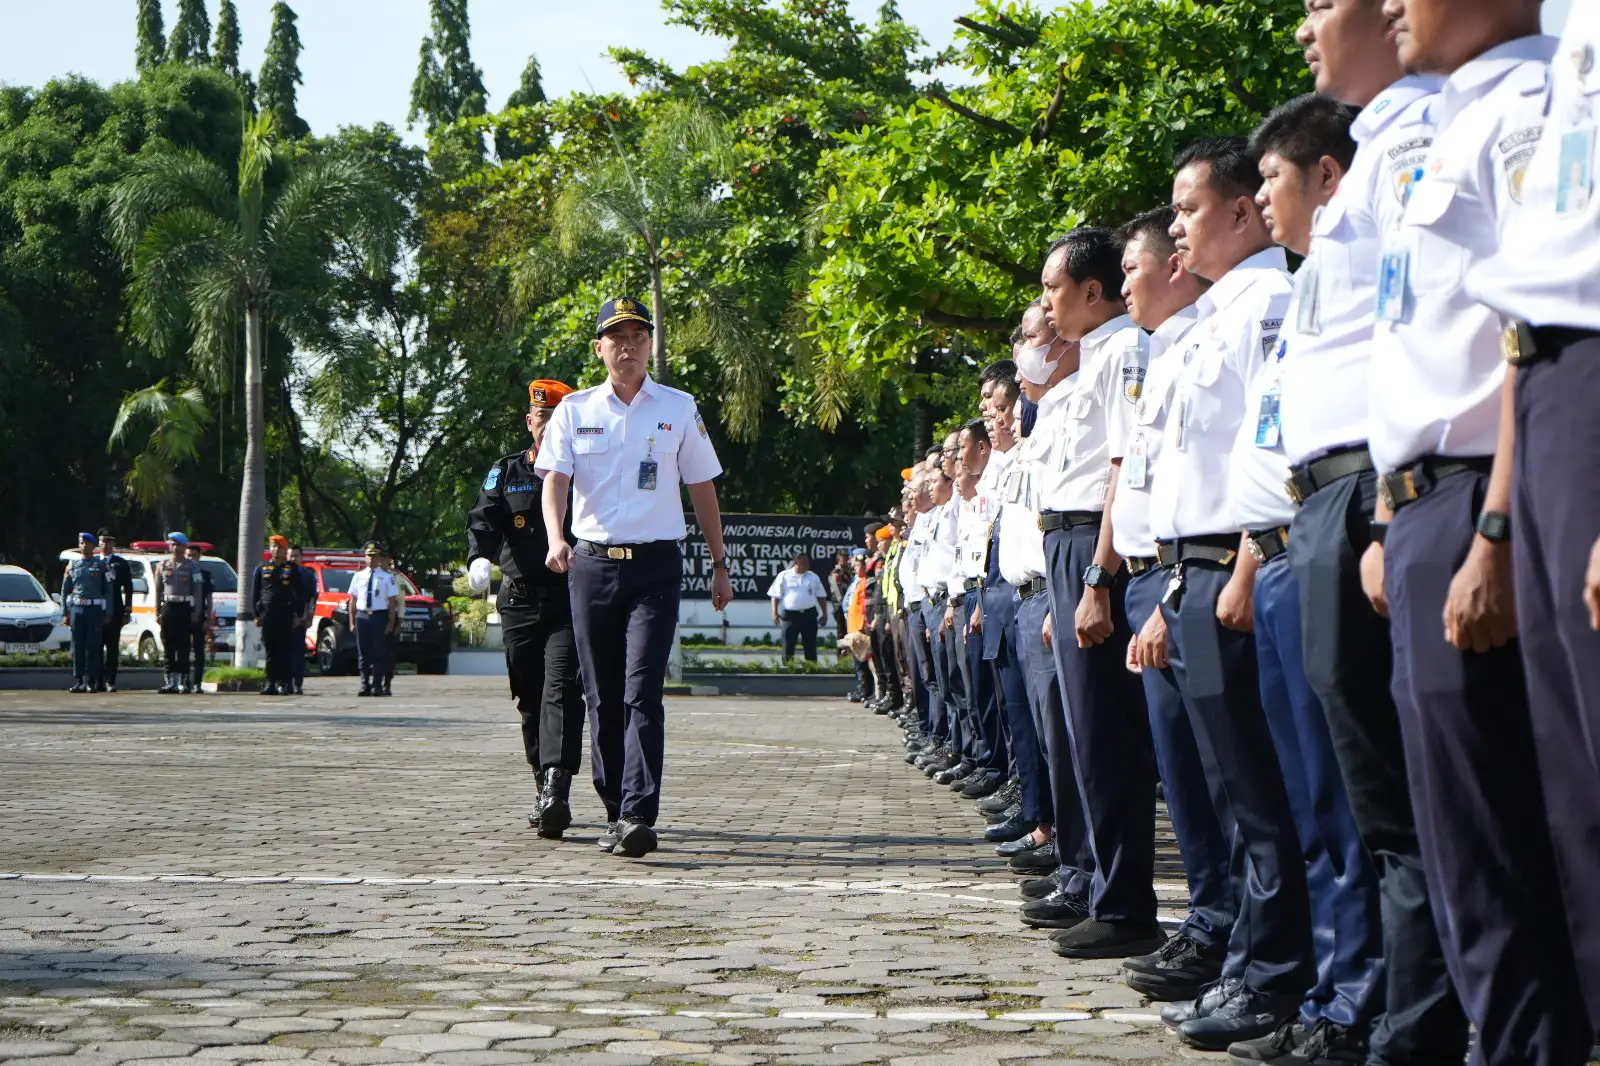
x=142, y=635
x=426, y=629
x=30, y=618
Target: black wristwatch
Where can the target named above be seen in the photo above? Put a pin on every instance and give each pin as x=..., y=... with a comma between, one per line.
x=1495, y=527
x=1377, y=531
x=1098, y=577
x=720, y=564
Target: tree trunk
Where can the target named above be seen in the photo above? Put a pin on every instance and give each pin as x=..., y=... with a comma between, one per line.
x=658, y=340
x=252, y=490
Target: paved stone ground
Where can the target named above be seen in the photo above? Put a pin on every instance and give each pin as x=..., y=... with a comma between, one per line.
x=228, y=879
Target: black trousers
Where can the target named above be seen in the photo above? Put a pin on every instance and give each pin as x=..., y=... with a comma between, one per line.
x=1050, y=726
x=111, y=651
x=800, y=626
x=198, y=635
x=1475, y=784
x=277, y=638
x=885, y=659
x=177, y=628
x=624, y=612
x=542, y=663
x=1348, y=662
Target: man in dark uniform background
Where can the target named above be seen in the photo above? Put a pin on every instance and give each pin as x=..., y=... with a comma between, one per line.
x=203, y=619
x=277, y=600
x=506, y=526
x=119, y=607
x=297, y=659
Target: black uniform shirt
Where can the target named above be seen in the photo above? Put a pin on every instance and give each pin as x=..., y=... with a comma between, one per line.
x=277, y=585
x=119, y=603
x=507, y=525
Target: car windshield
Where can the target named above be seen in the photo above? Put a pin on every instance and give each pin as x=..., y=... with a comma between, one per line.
x=223, y=579
x=339, y=581
x=20, y=588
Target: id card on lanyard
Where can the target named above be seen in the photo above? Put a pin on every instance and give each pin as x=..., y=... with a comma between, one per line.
x=1269, y=423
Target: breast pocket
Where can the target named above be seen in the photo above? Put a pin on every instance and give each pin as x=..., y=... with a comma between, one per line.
x=1436, y=213
x=590, y=453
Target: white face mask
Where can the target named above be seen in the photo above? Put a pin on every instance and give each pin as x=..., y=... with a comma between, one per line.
x=1032, y=364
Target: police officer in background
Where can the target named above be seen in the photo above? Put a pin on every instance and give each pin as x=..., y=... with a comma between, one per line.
x=205, y=620
x=84, y=588
x=797, y=595
x=506, y=526
x=622, y=448
x=297, y=660
x=374, y=602
x=119, y=608
x=277, y=601
x=178, y=596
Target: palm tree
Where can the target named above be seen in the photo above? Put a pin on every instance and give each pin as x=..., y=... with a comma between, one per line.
x=212, y=257
x=180, y=418
x=639, y=203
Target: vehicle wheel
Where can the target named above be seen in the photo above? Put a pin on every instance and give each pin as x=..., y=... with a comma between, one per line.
x=329, y=661
x=440, y=665
x=148, y=653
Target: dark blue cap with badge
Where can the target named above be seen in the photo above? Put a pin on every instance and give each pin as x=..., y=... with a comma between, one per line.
x=621, y=309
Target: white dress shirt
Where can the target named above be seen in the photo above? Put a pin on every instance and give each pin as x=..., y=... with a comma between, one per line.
x=1130, y=508
x=795, y=591
x=1020, y=544
x=973, y=541
x=1547, y=270
x=1089, y=426
x=603, y=444
x=911, y=560
x=1232, y=343
x=371, y=590
x=1438, y=371
x=943, y=545
x=1330, y=321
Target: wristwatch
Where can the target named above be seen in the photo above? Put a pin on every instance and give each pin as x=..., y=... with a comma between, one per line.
x=1377, y=531
x=1098, y=577
x=1495, y=527
x=720, y=564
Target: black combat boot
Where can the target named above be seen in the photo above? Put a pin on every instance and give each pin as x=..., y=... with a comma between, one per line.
x=537, y=813
x=555, y=811
x=172, y=683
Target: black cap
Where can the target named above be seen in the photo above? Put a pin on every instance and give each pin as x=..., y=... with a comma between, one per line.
x=621, y=309
x=374, y=548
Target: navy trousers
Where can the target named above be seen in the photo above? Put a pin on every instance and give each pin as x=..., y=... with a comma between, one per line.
x=926, y=692
x=982, y=704
x=1481, y=814
x=1033, y=776
x=1050, y=723
x=1205, y=839
x=1216, y=671
x=948, y=660
x=88, y=643
x=1348, y=663
x=624, y=612
x=1346, y=928
x=939, y=697
x=1108, y=732
x=371, y=645
x=1556, y=516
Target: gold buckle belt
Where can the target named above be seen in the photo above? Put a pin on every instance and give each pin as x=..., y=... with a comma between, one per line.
x=1269, y=544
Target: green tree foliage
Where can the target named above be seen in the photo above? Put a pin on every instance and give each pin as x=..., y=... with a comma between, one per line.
x=191, y=34
x=178, y=419
x=280, y=74
x=529, y=91
x=151, y=50
x=929, y=239
x=449, y=86
x=225, y=49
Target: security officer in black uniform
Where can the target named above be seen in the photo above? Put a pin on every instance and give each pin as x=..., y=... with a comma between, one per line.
x=119, y=608
x=506, y=526
x=178, y=595
x=277, y=600
x=202, y=625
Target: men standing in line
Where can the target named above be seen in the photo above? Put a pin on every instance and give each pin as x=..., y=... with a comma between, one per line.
x=1220, y=236
x=297, y=660
x=1305, y=148
x=506, y=526
x=119, y=608
x=927, y=740
x=277, y=603
x=623, y=448
x=1160, y=295
x=374, y=596
x=1546, y=273
x=934, y=573
x=1347, y=651
x=178, y=597
x=988, y=747
x=205, y=618
x=1086, y=428
x=1442, y=439
x=84, y=589
x=797, y=600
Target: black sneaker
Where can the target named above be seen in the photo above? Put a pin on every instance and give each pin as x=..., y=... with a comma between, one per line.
x=1059, y=910
x=1332, y=1045
x=608, y=839
x=1094, y=939
x=1040, y=887
x=1181, y=969
x=1009, y=793
x=634, y=838
x=1280, y=1044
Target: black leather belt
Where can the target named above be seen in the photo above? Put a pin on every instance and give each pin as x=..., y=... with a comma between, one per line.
x=1408, y=485
x=1524, y=344
x=1050, y=521
x=1141, y=564
x=654, y=549
x=1267, y=544
x=1220, y=549
x=1031, y=588
x=1309, y=478
x=972, y=584
x=938, y=599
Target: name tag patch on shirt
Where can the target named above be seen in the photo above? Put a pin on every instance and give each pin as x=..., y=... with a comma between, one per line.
x=589, y=431
x=1575, y=184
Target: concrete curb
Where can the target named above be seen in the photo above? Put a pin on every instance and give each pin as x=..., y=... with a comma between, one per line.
x=770, y=684
x=49, y=678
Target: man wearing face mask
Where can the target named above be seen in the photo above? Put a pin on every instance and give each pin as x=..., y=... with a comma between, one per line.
x=1043, y=366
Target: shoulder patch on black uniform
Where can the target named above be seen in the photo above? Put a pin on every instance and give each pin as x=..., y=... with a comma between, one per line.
x=493, y=479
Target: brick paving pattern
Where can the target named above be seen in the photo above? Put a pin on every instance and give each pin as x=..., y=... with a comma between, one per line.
x=227, y=880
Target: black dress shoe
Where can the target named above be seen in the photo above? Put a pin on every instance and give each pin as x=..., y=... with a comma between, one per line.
x=1035, y=861
x=1181, y=969
x=983, y=783
x=1006, y=795
x=366, y=690
x=1059, y=910
x=1212, y=997
x=608, y=839
x=950, y=773
x=1246, y=1015
x=1334, y=1045
x=634, y=838
x=1040, y=887
x=1020, y=845
x=1013, y=828
x=966, y=777
x=1094, y=939
x=1278, y=1045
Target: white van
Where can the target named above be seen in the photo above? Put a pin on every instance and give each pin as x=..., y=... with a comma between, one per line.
x=142, y=635
x=30, y=620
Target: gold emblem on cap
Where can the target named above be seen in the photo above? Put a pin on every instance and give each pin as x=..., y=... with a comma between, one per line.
x=624, y=306
x=538, y=395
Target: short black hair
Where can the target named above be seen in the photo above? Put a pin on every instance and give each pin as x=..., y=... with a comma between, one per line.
x=979, y=431
x=295, y=548
x=999, y=370
x=1235, y=169
x=1153, y=226
x=1305, y=129
x=935, y=452
x=102, y=533
x=1092, y=253
x=1016, y=335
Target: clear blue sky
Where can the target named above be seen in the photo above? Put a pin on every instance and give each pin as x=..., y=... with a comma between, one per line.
x=360, y=55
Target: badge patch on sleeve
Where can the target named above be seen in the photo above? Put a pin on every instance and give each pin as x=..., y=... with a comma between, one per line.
x=1516, y=152
x=1132, y=383
x=1406, y=165
x=700, y=423
x=1269, y=335
x=493, y=479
